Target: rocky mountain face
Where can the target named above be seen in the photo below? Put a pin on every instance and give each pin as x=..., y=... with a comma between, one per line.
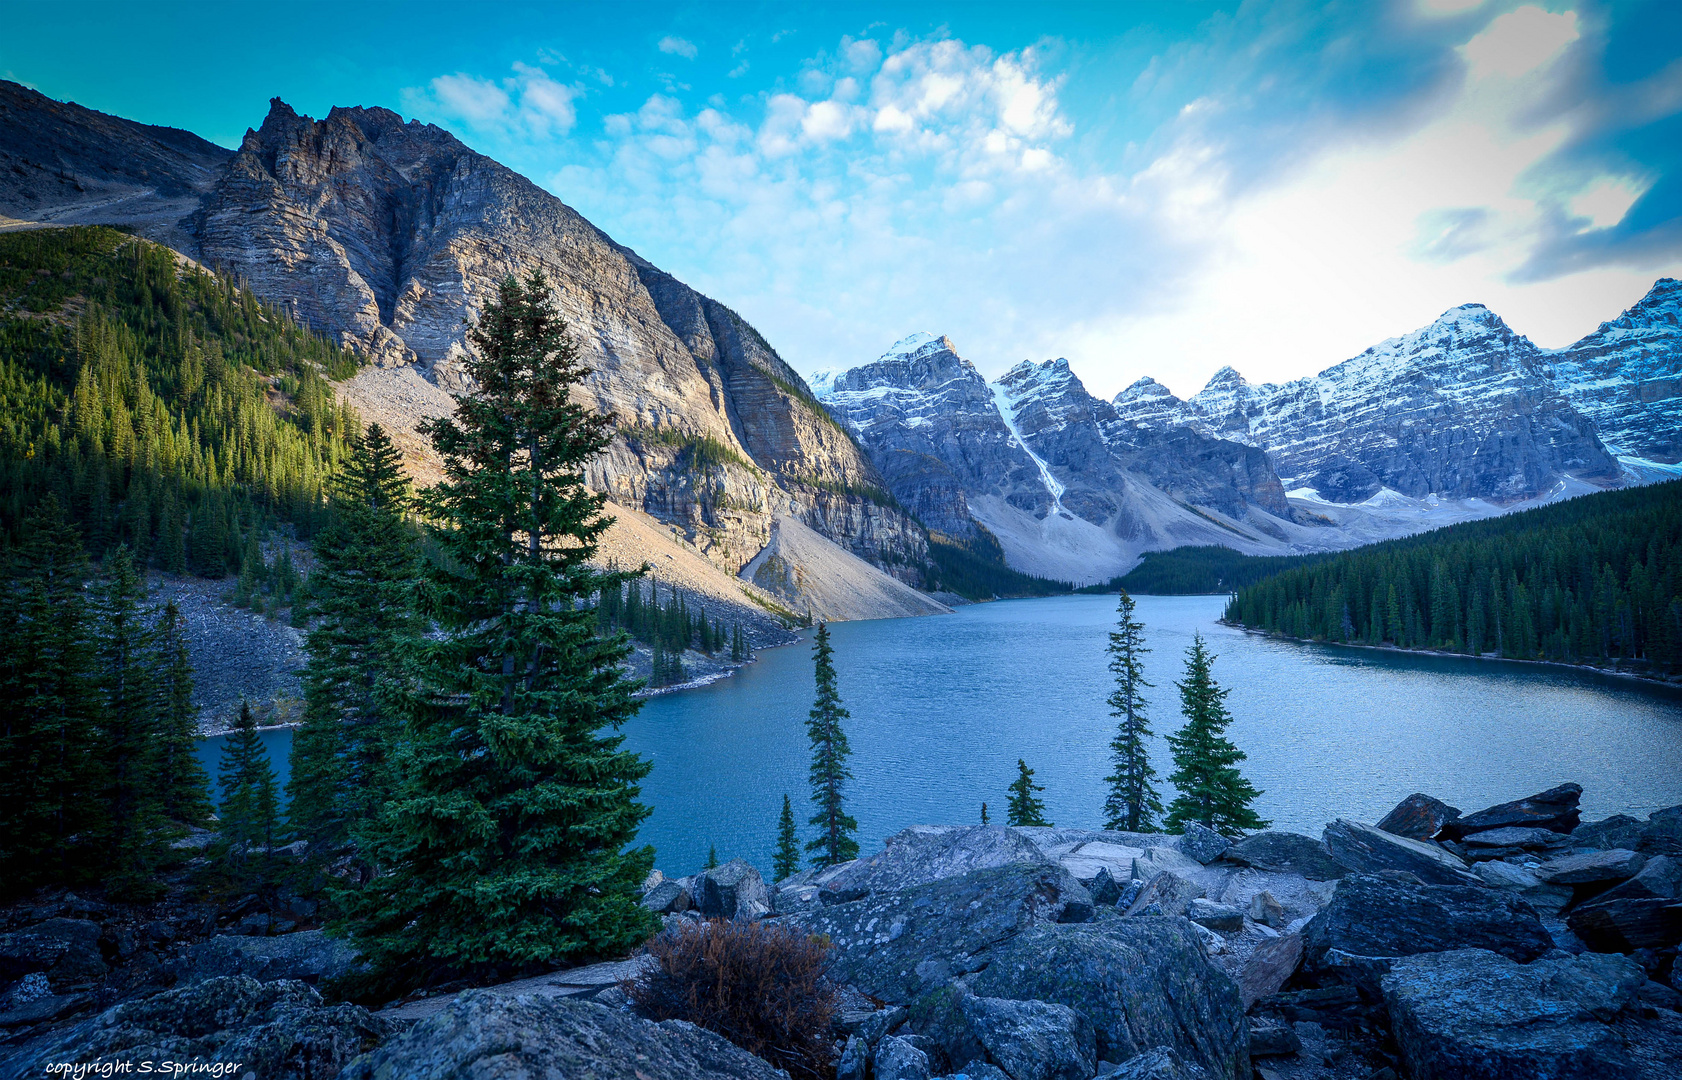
x=387, y=235
x=1627, y=376
x=1463, y=408
x=1067, y=487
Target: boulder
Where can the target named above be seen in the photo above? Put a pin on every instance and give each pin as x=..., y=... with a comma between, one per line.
x=732, y=891
x=1367, y=850
x=278, y=1031
x=1267, y=969
x=1371, y=916
x=1662, y=834
x=794, y=898
x=1626, y=925
x=1548, y=900
x=1203, y=843
x=1033, y=1040
x=66, y=949
x=1157, y=1063
x=981, y=1071
x=1142, y=982
x=880, y=942
x=1514, y=838
x=1159, y=860
x=1418, y=817
x=898, y=1058
x=926, y=853
x=1270, y=1038
x=1224, y=917
x=1619, y=830
x=309, y=956
x=1287, y=853
x=1165, y=894
x=668, y=897
x=1266, y=910
x=513, y=1038
x=1105, y=889
x=1659, y=879
x=1554, y=809
x=870, y=1025
x=1591, y=867
x=854, y=1062
x=1470, y=1014
x=1085, y=859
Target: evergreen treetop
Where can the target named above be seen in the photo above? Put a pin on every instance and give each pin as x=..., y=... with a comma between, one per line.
x=787, y=860
x=1024, y=808
x=1133, y=804
x=835, y=842
x=250, y=814
x=1211, y=789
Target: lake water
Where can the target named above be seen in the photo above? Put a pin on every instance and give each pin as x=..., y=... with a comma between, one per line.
x=943, y=707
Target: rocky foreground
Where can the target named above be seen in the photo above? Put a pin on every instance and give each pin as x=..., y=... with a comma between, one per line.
x=1515, y=942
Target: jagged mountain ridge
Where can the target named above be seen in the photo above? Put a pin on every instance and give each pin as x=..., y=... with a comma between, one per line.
x=1626, y=376
x=387, y=234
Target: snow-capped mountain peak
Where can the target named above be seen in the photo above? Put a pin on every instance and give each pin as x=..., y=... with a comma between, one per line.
x=918, y=345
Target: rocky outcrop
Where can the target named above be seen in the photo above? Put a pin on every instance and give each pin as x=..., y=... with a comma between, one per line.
x=1627, y=376
x=1368, y=850
x=1386, y=917
x=1554, y=810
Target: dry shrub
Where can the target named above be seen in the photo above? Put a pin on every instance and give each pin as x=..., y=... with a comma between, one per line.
x=762, y=986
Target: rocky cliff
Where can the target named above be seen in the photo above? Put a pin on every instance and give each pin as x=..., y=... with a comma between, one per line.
x=1627, y=376
x=387, y=235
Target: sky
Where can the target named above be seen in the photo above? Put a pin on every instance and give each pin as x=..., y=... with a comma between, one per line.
x=1146, y=189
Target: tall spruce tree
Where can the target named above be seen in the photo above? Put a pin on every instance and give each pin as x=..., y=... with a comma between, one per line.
x=835, y=842
x=787, y=859
x=250, y=814
x=183, y=785
x=365, y=603
x=1024, y=808
x=1212, y=791
x=1133, y=804
x=508, y=840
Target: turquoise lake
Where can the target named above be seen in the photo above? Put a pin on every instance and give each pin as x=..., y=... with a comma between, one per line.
x=943, y=707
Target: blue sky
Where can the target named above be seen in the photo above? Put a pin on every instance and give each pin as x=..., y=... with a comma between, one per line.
x=1147, y=189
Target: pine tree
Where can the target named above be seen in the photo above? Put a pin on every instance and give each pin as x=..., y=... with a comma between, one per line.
x=835, y=842
x=1133, y=804
x=1024, y=808
x=182, y=783
x=250, y=814
x=787, y=859
x=364, y=599
x=508, y=841
x=712, y=858
x=983, y=813
x=1212, y=791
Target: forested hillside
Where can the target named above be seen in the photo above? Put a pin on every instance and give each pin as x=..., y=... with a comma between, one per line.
x=163, y=406
x=1594, y=579
x=1203, y=569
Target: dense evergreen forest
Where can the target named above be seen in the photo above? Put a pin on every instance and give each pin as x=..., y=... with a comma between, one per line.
x=1187, y=571
x=668, y=628
x=975, y=569
x=1595, y=579
x=163, y=406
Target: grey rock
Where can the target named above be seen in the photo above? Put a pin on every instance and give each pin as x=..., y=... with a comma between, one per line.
x=1267, y=969
x=1033, y=1040
x=1141, y=982
x=872, y=1025
x=666, y=898
x=1470, y=1014
x=1554, y=809
x=42, y=1009
x=1516, y=837
x=1158, y=860
x=1287, y=853
x=310, y=956
x=926, y=853
x=278, y=1030
x=897, y=1058
x=879, y=941
x=1662, y=833
x=1614, y=864
x=1370, y=916
x=1104, y=889
x=1548, y=900
x=1418, y=817
x=1270, y=1038
x=1659, y=879
x=1618, y=377
x=732, y=891
x=1215, y=916
x=1626, y=925
x=32, y=986
x=854, y=1063
x=66, y=950
x=1202, y=843
x=1165, y=894
x=1129, y=893
x=1157, y=1063
x=1266, y=910
x=979, y=1071
x=1619, y=830
x=1367, y=850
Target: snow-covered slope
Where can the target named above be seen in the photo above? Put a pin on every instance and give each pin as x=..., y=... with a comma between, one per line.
x=1627, y=377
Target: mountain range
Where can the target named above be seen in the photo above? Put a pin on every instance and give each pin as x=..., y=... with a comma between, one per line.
x=741, y=482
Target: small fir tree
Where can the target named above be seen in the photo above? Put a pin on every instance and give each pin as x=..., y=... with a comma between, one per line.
x=508, y=841
x=712, y=858
x=787, y=859
x=1133, y=804
x=183, y=785
x=835, y=842
x=250, y=814
x=1212, y=791
x=1024, y=808
x=983, y=813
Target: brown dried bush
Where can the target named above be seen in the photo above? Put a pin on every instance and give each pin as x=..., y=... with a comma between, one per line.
x=762, y=986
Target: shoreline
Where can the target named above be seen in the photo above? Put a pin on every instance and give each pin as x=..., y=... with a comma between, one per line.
x=1650, y=680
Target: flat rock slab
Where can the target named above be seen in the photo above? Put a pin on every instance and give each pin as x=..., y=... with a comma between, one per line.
x=1625, y=925
x=1554, y=809
x=1513, y=837
x=1165, y=894
x=63, y=948
x=1157, y=1063
x=1371, y=916
x=1615, y=864
x=489, y=1037
x=309, y=956
x=1143, y=982
x=1473, y=1015
x=881, y=941
x=1367, y=850
x=573, y=982
x=1418, y=817
x=1272, y=963
x=1287, y=853
x=927, y=853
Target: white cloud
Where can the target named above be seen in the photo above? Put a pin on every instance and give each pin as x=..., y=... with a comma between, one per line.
x=676, y=46
x=1520, y=42
x=528, y=104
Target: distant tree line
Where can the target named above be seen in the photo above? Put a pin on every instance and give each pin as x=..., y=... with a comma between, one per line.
x=1595, y=579
x=668, y=628
x=1199, y=571
x=975, y=569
